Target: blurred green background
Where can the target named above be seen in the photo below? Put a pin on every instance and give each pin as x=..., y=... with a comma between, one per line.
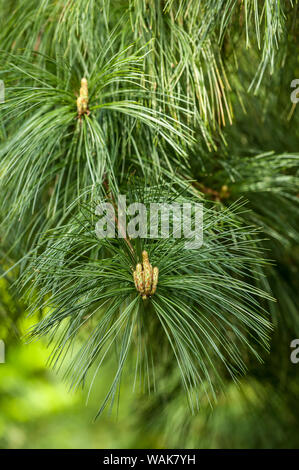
x=38, y=411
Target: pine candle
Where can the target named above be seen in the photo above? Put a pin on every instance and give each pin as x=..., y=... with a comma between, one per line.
x=146, y=277
x=82, y=100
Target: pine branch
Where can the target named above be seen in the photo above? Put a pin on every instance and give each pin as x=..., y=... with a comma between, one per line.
x=201, y=295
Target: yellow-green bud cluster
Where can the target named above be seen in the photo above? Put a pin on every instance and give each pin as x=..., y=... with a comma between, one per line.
x=146, y=277
x=82, y=100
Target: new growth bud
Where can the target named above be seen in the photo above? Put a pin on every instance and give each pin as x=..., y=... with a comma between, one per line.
x=82, y=100
x=146, y=277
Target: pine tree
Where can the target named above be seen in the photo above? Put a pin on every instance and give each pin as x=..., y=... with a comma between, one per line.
x=165, y=102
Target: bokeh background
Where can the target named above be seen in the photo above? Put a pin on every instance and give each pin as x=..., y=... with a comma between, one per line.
x=37, y=410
